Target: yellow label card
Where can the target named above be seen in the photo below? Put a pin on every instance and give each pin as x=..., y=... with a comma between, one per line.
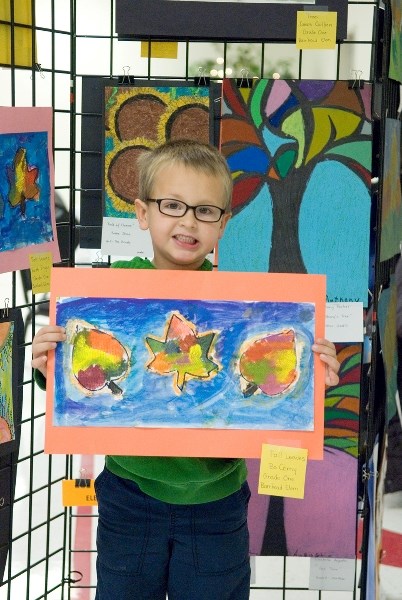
x=316, y=30
x=282, y=471
x=41, y=267
x=159, y=49
x=79, y=492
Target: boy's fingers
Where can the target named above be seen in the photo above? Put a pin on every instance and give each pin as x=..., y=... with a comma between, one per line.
x=331, y=361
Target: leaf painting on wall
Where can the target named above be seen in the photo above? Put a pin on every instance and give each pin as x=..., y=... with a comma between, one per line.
x=27, y=220
x=143, y=117
x=324, y=522
x=24, y=190
x=7, y=431
x=391, y=208
x=300, y=154
x=241, y=365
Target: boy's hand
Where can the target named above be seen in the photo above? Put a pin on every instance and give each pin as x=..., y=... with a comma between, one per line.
x=45, y=340
x=327, y=353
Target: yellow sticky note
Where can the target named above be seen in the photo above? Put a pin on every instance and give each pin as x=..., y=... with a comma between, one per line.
x=316, y=30
x=41, y=266
x=159, y=49
x=282, y=471
x=79, y=492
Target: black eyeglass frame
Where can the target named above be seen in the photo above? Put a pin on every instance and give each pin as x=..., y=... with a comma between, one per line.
x=193, y=208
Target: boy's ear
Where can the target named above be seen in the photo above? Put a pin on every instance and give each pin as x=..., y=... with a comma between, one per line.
x=141, y=210
x=224, y=220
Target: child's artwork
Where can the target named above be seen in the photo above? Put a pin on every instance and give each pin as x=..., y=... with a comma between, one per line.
x=323, y=523
x=11, y=371
x=391, y=209
x=387, y=307
x=173, y=362
x=395, y=58
x=300, y=154
x=137, y=118
x=27, y=222
x=17, y=36
x=7, y=431
x=12, y=353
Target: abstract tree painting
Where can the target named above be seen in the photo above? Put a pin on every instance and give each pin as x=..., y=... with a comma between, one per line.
x=7, y=432
x=177, y=363
x=300, y=157
x=138, y=118
x=313, y=527
x=391, y=209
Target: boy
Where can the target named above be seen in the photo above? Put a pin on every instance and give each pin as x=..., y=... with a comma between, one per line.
x=175, y=526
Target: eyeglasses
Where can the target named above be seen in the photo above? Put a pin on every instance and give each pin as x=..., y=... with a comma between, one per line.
x=176, y=208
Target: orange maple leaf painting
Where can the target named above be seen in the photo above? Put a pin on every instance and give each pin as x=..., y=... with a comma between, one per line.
x=22, y=180
x=183, y=351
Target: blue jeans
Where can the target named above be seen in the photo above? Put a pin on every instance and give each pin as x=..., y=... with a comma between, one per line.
x=148, y=548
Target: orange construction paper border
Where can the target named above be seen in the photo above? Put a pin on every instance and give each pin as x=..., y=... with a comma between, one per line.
x=191, y=285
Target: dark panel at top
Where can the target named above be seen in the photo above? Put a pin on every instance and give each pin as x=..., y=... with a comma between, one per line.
x=198, y=20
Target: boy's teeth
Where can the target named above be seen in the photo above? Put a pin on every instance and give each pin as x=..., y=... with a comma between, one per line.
x=186, y=239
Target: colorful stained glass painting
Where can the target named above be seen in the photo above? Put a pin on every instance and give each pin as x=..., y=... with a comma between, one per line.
x=391, y=209
x=7, y=431
x=395, y=58
x=300, y=154
x=141, y=117
x=27, y=223
x=324, y=522
x=155, y=356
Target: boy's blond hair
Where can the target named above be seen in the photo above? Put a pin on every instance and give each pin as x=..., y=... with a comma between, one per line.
x=196, y=155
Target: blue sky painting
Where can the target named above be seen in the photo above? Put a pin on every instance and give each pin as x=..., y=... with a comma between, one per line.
x=25, y=193
x=226, y=334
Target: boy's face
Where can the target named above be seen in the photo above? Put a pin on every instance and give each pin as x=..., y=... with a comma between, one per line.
x=182, y=242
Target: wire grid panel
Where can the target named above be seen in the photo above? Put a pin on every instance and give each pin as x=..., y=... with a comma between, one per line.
x=53, y=550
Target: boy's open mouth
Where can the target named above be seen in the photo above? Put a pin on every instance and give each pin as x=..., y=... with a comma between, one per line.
x=185, y=239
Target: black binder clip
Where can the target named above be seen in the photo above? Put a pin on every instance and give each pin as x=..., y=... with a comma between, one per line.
x=4, y=311
x=202, y=79
x=244, y=81
x=82, y=483
x=126, y=78
x=99, y=263
x=356, y=83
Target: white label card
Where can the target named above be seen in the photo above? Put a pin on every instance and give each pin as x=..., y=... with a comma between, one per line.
x=332, y=574
x=123, y=237
x=344, y=321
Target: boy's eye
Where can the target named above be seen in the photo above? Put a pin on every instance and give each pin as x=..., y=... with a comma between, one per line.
x=204, y=210
x=172, y=205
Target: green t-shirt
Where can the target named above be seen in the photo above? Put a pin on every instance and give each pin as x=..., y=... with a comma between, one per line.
x=177, y=480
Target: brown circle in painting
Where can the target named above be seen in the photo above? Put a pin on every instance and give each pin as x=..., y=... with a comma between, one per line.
x=190, y=122
x=139, y=117
x=123, y=173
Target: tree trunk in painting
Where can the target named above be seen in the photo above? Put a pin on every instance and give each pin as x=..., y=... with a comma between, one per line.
x=287, y=196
